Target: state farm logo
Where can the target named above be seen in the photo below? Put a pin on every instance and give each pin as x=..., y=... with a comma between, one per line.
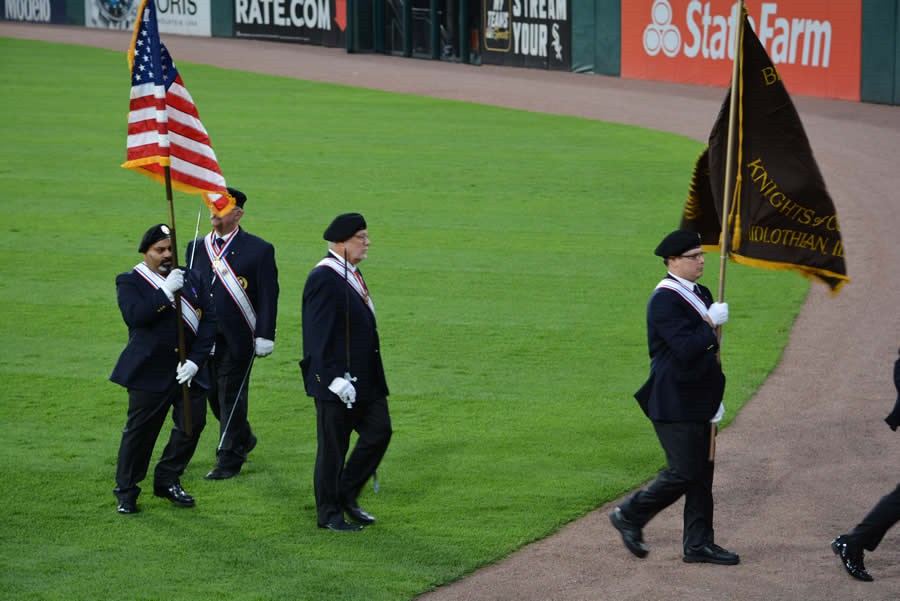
x=661, y=34
x=792, y=40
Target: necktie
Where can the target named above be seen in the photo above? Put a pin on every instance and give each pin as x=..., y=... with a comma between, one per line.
x=363, y=285
x=220, y=242
x=696, y=289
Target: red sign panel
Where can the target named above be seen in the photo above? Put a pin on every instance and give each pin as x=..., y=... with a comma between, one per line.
x=815, y=44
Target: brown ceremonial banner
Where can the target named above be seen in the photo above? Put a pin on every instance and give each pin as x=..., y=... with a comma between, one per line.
x=782, y=216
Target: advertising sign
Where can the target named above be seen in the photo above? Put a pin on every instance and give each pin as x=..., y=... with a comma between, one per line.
x=320, y=22
x=185, y=17
x=34, y=11
x=814, y=44
x=527, y=33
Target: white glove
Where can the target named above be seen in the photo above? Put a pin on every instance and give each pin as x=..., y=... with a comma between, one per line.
x=718, y=313
x=174, y=283
x=344, y=389
x=186, y=372
x=719, y=414
x=264, y=347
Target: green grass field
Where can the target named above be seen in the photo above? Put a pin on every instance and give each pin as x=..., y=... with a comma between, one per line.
x=511, y=264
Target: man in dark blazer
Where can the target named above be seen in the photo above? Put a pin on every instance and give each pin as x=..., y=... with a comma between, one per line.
x=683, y=399
x=150, y=369
x=243, y=280
x=346, y=380
x=866, y=536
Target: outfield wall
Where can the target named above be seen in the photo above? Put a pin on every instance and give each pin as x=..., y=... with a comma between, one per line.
x=815, y=44
x=845, y=49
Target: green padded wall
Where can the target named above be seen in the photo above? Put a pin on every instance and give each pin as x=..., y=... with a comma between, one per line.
x=880, y=65
x=597, y=36
x=222, y=19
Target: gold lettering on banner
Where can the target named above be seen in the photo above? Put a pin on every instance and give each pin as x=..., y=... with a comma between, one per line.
x=770, y=75
x=798, y=213
x=796, y=239
x=838, y=250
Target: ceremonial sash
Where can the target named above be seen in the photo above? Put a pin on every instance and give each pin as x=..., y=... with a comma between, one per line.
x=353, y=279
x=188, y=313
x=230, y=282
x=686, y=293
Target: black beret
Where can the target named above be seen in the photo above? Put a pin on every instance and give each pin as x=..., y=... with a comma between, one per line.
x=676, y=243
x=154, y=235
x=344, y=226
x=239, y=197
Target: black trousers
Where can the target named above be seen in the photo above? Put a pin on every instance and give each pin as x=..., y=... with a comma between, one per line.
x=230, y=374
x=338, y=483
x=147, y=412
x=689, y=474
x=869, y=532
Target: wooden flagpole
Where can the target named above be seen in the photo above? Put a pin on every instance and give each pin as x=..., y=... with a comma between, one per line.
x=730, y=158
x=182, y=351
x=730, y=176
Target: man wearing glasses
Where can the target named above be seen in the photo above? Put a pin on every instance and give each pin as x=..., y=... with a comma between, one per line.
x=343, y=372
x=683, y=399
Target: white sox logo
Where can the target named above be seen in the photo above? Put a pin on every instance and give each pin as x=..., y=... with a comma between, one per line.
x=556, y=44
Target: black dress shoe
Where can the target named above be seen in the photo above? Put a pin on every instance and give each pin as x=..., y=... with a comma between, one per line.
x=711, y=553
x=222, y=473
x=359, y=515
x=174, y=493
x=631, y=534
x=852, y=558
x=251, y=444
x=341, y=525
x=127, y=507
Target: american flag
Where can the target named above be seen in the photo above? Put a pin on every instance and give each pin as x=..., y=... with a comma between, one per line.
x=164, y=128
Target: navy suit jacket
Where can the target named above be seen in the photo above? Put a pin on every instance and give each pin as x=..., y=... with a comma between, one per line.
x=325, y=297
x=253, y=261
x=686, y=382
x=151, y=355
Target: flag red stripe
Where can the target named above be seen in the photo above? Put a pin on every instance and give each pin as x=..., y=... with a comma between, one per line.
x=142, y=102
x=189, y=132
x=196, y=182
x=140, y=127
x=196, y=159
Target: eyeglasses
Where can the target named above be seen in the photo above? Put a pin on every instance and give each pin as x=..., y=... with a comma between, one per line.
x=694, y=257
x=361, y=237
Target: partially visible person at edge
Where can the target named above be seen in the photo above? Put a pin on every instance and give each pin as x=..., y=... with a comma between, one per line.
x=243, y=281
x=683, y=399
x=348, y=384
x=150, y=369
x=866, y=536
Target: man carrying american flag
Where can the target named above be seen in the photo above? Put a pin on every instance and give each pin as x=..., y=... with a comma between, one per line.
x=168, y=143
